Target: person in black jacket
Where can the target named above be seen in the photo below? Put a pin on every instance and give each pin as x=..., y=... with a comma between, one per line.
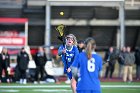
x=22, y=63
x=40, y=60
x=81, y=46
x=4, y=64
x=110, y=58
x=121, y=62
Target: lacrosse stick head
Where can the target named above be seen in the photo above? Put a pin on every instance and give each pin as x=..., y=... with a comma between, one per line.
x=60, y=28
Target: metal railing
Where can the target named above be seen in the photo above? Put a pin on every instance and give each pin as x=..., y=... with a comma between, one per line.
x=132, y=2
x=12, y=3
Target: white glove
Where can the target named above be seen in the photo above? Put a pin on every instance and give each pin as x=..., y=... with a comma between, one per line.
x=8, y=69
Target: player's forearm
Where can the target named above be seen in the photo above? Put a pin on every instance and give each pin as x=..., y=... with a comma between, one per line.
x=59, y=52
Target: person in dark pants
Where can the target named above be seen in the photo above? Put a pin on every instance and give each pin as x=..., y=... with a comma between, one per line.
x=22, y=64
x=40, y=60
x=4, y=64
x=121, y=62
x=110, y=59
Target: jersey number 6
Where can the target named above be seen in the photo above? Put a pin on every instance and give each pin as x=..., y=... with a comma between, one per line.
x=91, y=65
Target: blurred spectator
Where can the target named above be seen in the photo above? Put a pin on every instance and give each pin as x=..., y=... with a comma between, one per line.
x=22, y=65
x=129, y=60
x=58, y=61
x=121, y=62
x=40, y=60
x=137, y=56
x=110, y=58
x=81, y=46
x=4, y=64
x=55, y=62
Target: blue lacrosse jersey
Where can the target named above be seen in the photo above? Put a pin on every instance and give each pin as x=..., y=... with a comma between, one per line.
x=89, y=72
x=68, y=58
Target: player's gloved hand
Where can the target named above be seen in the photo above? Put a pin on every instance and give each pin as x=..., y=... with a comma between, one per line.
x=68, y=70
x=64, y=51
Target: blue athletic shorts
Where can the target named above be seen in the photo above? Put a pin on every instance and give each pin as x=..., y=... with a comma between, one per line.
x=88, y=91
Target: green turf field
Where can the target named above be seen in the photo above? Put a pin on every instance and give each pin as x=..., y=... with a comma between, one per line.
x=107, y=87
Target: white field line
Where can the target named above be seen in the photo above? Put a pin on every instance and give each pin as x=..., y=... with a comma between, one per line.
x=43, y=90
x=11, y=90
x=37, y=90
x=120, y=86
x=48, y=90
x=68, y=86
x=31, y=86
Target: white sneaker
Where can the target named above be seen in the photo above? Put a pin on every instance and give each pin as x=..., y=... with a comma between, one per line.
x=8, y=81
x=24, y=81
x=35, y=82
x=21, y=81
x=67, y=81
x=50, y=80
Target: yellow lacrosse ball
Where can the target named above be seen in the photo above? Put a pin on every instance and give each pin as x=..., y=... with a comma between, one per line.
x=61, y=13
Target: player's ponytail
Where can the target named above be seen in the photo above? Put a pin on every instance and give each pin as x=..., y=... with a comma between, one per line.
x=90, y=46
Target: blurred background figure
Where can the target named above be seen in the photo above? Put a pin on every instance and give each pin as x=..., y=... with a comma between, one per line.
x=40, y=61
x=137, y=62
x=52, y=68
x=121, y=62
x=22, y=65
x=129, y=60
x=81, y=46
x=4, y=64
x=110, y=59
